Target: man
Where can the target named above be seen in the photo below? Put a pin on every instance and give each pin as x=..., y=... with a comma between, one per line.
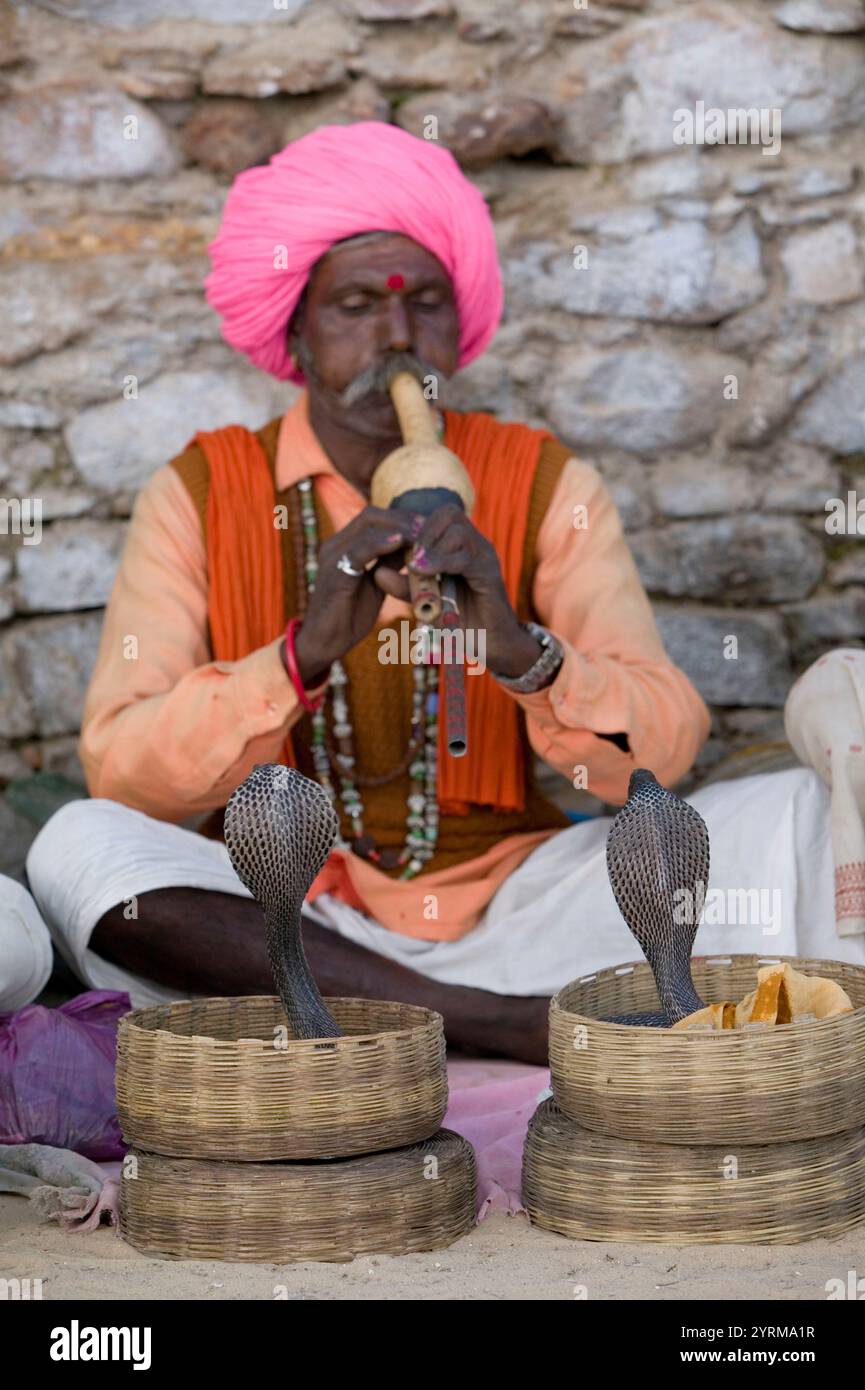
x=359, y=249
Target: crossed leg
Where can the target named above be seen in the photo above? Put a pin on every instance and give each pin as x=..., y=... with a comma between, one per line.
x=220, y=949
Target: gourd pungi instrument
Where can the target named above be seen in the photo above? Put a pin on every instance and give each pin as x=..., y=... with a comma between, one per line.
x=420, y=476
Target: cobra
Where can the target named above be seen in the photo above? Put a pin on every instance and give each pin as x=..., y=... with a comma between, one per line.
x=279, y=829
x=658, y=846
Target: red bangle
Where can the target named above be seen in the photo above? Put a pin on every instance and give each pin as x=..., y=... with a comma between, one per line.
x=294, y=674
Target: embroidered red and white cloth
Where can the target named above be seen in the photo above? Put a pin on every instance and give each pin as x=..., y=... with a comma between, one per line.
x=825, y=722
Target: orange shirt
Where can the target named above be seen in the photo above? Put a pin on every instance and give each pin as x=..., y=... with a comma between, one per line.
x=171, y=732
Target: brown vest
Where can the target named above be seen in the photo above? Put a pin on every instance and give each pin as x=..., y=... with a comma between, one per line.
x=380, y=697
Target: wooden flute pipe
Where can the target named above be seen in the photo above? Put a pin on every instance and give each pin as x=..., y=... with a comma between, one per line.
x=419, y=476
x=454, y=678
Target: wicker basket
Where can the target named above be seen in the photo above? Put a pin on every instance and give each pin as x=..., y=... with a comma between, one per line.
x=590, y=1187
x=416, y=1198
x=798, y=1081
x=224, y=1078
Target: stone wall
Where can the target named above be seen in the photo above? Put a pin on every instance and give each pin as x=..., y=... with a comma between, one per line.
x=689, y=317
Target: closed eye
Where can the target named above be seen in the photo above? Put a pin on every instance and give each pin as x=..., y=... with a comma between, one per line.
x=415, y=303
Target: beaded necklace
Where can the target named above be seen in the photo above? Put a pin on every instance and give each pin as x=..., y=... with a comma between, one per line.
x=422, y=820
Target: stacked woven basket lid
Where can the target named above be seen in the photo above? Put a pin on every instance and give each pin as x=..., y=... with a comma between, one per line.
x=250, y=1144
x=686, y=1137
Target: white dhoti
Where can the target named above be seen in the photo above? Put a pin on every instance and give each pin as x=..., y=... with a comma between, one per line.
x=26, y=957
x=770, y=891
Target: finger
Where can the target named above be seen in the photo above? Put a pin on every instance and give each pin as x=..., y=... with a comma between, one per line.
x=386, y=520
x=430, y=547
x=456, y=546
x=443, y=519
x=391, y=582
x=361, y=549
x=457, y=560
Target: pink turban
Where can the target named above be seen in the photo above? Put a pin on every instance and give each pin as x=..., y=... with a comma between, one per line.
x=336, y=182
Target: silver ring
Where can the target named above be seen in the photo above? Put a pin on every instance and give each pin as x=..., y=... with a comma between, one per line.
x=344, y=564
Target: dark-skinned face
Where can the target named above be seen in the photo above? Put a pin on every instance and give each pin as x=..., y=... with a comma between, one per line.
x=353, y=329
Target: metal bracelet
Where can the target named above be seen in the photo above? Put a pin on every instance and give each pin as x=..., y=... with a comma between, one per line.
x=541, y=673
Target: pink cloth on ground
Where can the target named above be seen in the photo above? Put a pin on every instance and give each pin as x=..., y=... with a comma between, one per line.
x=104, y=1209
x=491, y=1103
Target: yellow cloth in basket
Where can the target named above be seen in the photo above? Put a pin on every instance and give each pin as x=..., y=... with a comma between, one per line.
x=783, y=995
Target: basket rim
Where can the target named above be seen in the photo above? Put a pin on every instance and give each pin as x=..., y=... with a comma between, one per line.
x=731, y=1036
x=278, y=1168
x=428, y=1022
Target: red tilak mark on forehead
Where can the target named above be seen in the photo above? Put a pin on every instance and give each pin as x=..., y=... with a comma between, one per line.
x=395, y=282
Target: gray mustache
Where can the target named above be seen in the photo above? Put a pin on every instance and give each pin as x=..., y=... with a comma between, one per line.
x=375, y=379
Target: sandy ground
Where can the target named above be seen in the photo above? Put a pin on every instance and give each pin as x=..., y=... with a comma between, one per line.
x=503, y=1258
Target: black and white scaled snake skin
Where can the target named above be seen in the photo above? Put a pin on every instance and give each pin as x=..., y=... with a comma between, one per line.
x=279, y=830
x=658, y=862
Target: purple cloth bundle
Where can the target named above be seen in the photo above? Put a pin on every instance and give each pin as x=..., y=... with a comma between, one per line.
x=57, y=1075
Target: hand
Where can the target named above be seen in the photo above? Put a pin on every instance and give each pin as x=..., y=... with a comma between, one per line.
x=448, y=543
x=343, y=609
